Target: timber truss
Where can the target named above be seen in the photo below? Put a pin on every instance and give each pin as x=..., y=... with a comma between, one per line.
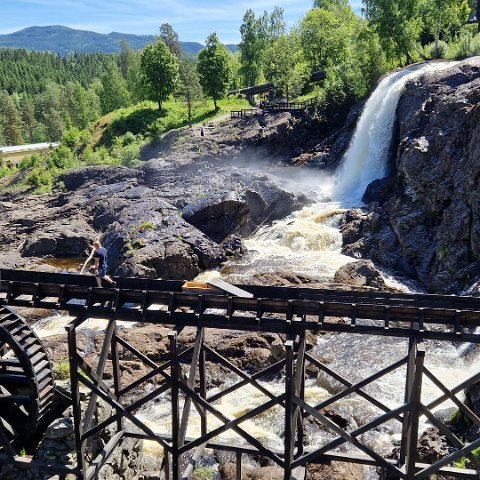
x=182, y=380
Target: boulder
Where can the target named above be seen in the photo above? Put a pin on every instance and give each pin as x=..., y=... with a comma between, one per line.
x=218, y=216
x=66, y=239
x=360, y=274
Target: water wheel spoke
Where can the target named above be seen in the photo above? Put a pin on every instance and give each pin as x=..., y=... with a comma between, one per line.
x=26, y=379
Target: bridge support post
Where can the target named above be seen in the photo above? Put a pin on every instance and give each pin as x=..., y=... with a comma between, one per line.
x=413, y=392
x=294, y=387
x=77, y=409
x=175, y=372
x=289, y=424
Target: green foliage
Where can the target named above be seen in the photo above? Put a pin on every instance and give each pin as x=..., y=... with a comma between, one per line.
x=62, y=158
x=170, y=38
x=146, y=226
x=61, y=371
x=5, y=171
x=444, y=19
x=12, y=121
x=190, y=86
x=114, y=90
x=40, y=179
x=204, y=473
x=30, y=161
x=214, y=68
x=325, y=36
x=398, y=24
x=160, y=72
x=284, y=65
x=29, y=72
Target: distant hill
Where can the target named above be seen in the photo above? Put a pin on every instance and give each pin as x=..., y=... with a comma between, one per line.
x=64, y=40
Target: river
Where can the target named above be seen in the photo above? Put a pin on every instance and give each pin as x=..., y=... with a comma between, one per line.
x=308, y=244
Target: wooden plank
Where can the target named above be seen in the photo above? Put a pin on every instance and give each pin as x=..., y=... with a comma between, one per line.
x=229, y=288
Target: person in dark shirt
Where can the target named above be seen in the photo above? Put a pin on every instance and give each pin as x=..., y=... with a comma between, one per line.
x=100, y=258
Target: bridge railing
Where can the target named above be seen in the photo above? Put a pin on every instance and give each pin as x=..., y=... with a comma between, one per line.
x=293, y=312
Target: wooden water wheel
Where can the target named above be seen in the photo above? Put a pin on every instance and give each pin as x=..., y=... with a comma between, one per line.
x=26, y=381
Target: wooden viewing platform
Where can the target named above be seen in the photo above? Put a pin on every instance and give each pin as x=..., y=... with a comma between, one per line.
x=271, y=108
x=290, y=311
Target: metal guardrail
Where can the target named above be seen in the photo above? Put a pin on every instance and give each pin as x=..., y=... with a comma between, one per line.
x=291, y=311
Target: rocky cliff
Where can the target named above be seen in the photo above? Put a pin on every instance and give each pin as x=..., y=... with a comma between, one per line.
x=424, y=219
x=173, y=216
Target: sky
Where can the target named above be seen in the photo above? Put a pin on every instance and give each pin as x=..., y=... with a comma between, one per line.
x=192, y=20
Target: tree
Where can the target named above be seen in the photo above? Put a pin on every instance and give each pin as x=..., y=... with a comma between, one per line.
x=190, y=85
x=28, y=117
x=160, y=72
x=325, y=35
x=284, y=65
x=398, y=24
x=135, y=84
x=13, y=123
x=126, y=56
x=170, y=37
x=274, y=24
x=214, y=68
x=114, y=93
x=329, y=4
x=444, y=18
x=251, y=47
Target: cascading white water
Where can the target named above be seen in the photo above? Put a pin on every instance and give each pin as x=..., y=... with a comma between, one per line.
x=367, y=156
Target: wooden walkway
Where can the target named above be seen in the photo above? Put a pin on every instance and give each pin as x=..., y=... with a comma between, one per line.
x=271, y=108
x=290, y=311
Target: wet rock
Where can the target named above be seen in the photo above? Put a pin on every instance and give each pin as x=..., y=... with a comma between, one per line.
x=218, y=216
x=360, y=274
x=72, y=238
x=140, y=213
x=428, y=210
x=335, y=471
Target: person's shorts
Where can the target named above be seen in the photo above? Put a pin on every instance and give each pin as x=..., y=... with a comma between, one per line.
x=102, y=272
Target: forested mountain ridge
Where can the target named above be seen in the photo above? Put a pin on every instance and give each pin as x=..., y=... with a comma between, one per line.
x=63, y=40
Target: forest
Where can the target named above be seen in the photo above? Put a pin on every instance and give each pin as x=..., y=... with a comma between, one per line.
x=48, y=97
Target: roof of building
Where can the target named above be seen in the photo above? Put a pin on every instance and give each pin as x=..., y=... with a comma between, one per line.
x=27, y=148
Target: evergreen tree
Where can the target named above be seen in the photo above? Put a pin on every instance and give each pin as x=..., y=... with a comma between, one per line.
x=13, y=124
x=170, y=38
x=135, y=83
x=160, y=72
x=29, y=120
x=126, y=56
x=115, y=93
x=214, y=68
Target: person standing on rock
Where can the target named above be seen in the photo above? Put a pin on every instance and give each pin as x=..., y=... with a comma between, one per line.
x=100, y=257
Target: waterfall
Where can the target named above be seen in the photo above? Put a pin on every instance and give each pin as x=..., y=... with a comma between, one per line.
x=367, y=156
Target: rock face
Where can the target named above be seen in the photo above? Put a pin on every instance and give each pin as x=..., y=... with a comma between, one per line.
x=168, y=217
x=425, y=219
x=360, y=274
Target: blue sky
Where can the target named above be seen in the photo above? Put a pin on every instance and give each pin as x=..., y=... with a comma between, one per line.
x=192, y=20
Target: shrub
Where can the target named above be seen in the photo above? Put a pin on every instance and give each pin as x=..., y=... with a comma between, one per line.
x=61, y=371
x=437, y=51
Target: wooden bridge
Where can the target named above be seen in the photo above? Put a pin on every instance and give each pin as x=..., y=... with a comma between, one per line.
x=271, y=108
x=292, y=312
